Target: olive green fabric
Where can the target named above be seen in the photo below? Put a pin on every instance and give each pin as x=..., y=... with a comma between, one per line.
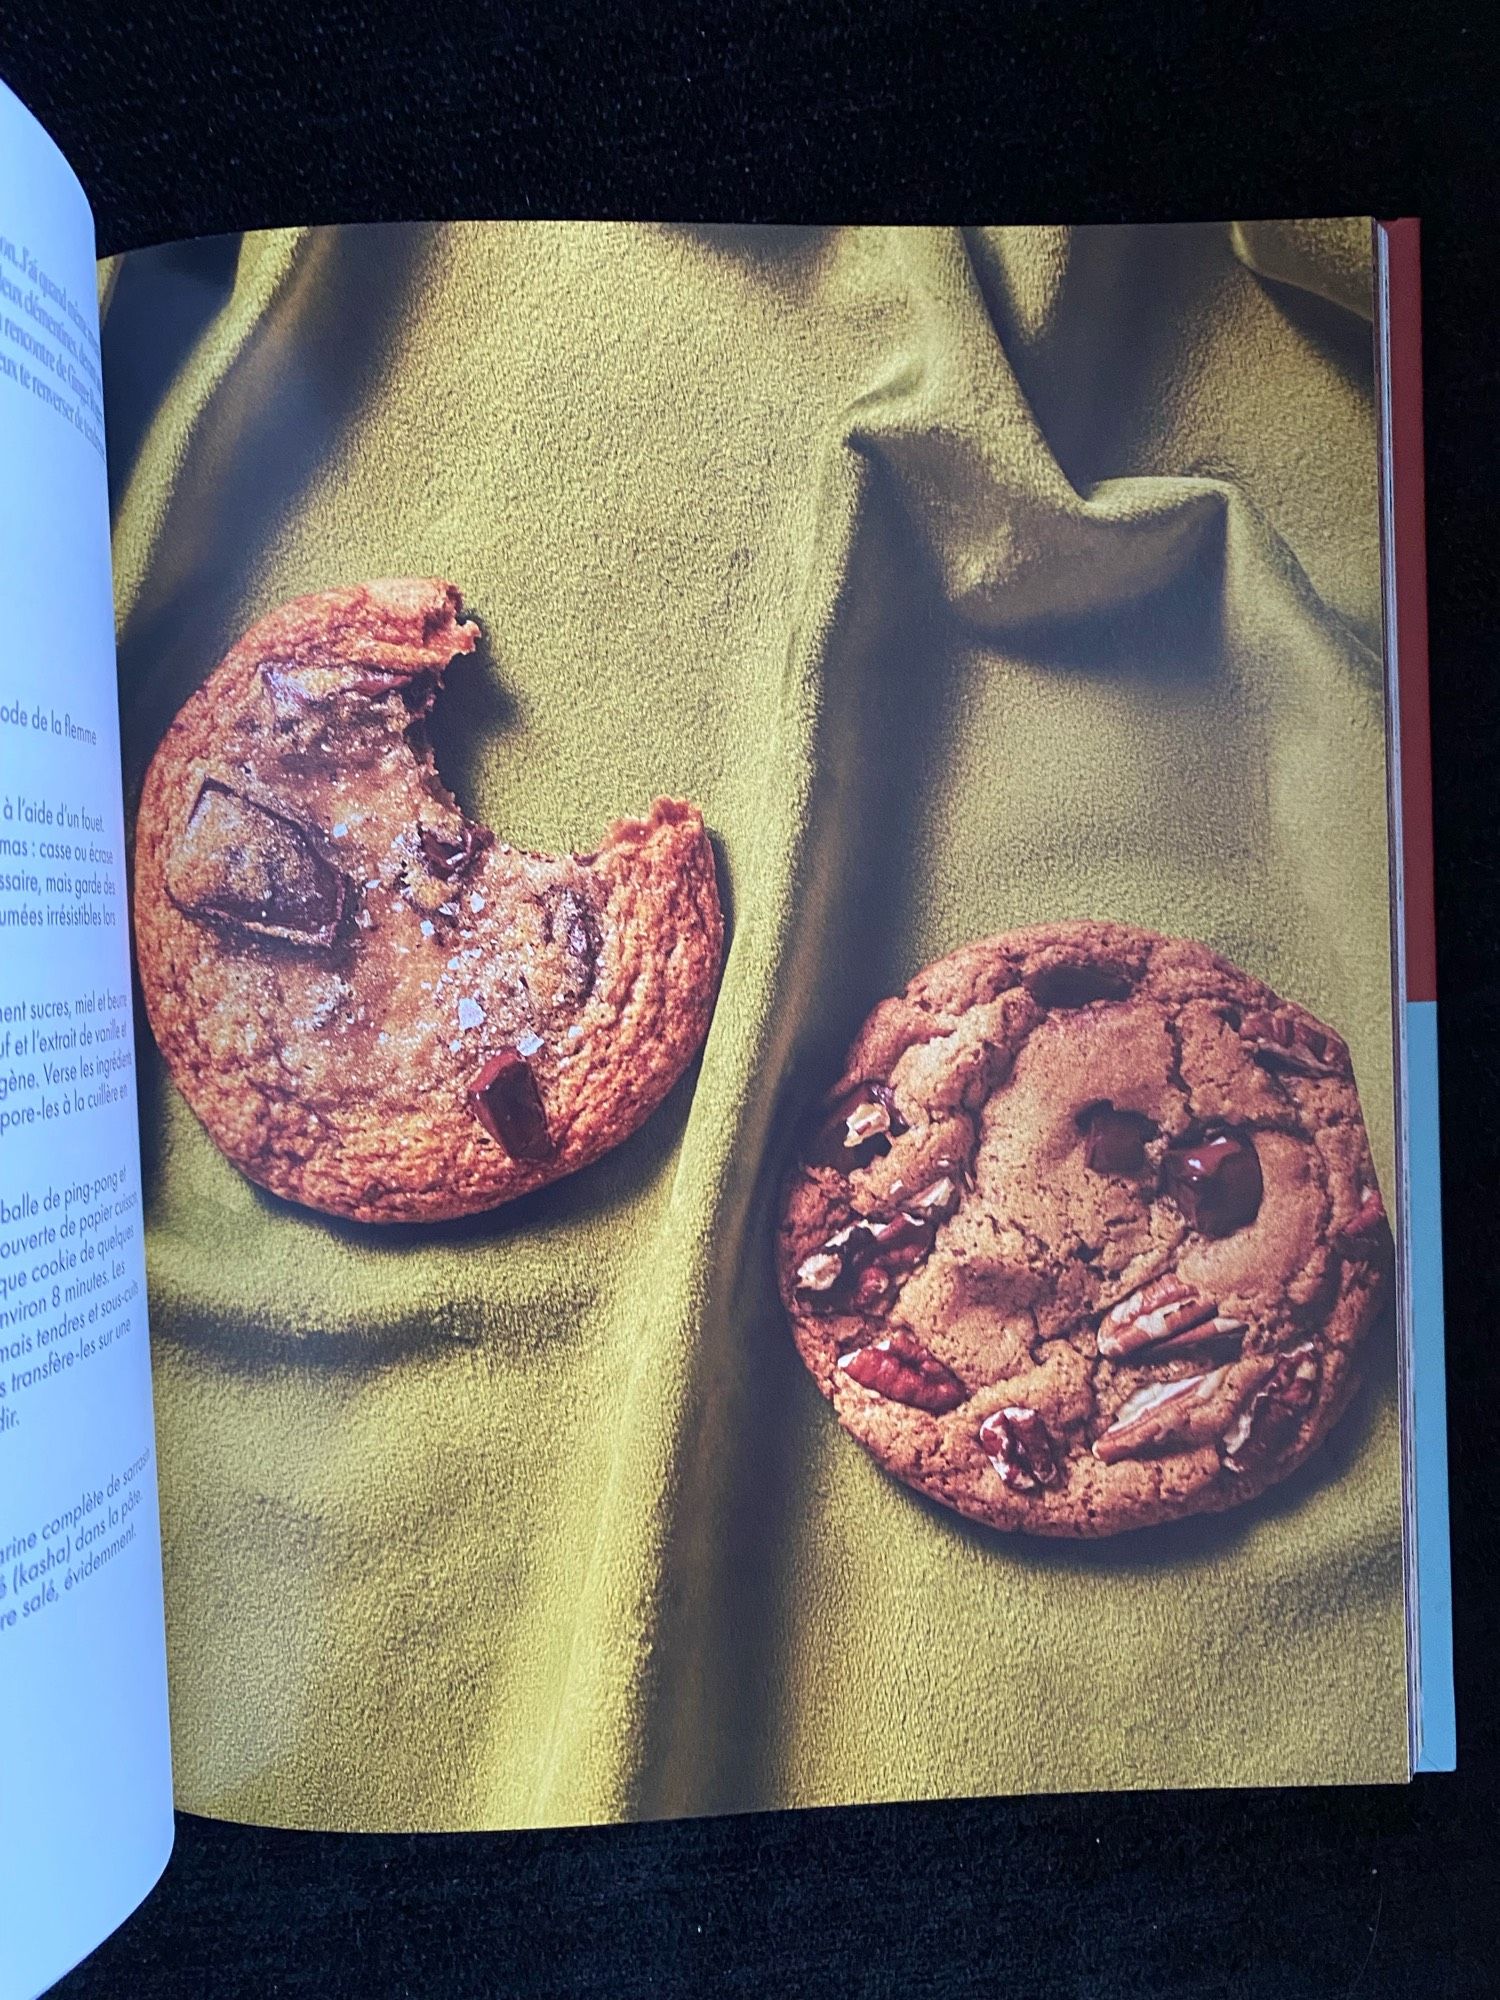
x=965, y=579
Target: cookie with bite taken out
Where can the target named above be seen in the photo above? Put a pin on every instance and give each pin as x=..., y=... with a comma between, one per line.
x=376, y=1007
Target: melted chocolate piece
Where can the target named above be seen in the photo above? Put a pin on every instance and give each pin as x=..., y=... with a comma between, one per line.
x=1216, y=1182
x=1076, y=985
x=504, y=1097
x=574, y=929
x=1115, y=1141
x=242, y=865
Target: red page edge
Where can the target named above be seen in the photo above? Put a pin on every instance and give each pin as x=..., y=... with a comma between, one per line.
x=1409, y=564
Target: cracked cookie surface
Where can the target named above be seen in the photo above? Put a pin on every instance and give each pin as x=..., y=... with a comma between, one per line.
x=1087, y=1235
x=375, y=1006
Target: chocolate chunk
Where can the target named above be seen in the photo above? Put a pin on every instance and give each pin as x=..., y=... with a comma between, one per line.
x=1216, y=1182
x=1115, y=1141
x=241, y=864
x=826, y=1281
x=1022, y=1450
x=450, y=854
x=574, y=928
x=858, y=1130
x=505, y=1099
x=901, y=1369
x=1076, y=985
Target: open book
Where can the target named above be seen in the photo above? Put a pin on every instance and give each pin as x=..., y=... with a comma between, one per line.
x=715, y=952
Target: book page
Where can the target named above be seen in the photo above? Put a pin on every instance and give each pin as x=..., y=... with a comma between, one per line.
x=763, y=901
x=85, y=1781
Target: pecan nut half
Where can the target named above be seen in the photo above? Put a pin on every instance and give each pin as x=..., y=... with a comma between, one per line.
x=901, y=1369
x=1022, y=1450
x=1272, y=1416
x=1160, y=1416
x=1165, y=1317
x=1366, y=1236
x=860, y=1267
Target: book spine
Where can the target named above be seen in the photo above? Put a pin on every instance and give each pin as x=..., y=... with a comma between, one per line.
x=1430, y=1631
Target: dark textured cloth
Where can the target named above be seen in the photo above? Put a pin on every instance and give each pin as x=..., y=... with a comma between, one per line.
x=182, y=122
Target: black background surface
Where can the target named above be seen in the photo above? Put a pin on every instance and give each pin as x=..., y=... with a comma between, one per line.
x=184, y=121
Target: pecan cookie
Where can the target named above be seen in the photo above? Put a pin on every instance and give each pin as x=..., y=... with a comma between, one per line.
x=1087, y=1234
x=376, y=1007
